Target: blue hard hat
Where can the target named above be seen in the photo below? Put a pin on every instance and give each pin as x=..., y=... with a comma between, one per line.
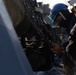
x=56, y=9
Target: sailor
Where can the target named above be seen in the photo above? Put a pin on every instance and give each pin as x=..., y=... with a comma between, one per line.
x=63, y=18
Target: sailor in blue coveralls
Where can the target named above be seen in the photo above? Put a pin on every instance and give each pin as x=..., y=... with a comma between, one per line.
x=63, y=18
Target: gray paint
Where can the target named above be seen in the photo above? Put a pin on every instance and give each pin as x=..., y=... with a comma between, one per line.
x=13, y=61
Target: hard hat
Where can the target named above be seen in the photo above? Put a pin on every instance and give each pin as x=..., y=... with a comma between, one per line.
x=56, y=9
